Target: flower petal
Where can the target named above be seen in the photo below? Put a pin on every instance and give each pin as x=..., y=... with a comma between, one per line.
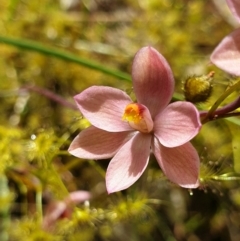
x=177, y=124
x=53, y=213
x=104, y=107
x=77, y=197
x=226, y=55
x=153, y=80
x=234, y=6
x=94, y=143
x=129, y=163
x=180, y=164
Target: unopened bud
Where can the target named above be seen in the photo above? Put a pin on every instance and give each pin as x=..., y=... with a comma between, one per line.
x=198, y=88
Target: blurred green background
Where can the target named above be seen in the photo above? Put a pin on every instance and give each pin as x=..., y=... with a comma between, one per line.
x=102, y=37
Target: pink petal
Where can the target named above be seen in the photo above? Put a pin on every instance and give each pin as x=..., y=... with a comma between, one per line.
x=153, y=80
x=180, y=164
x=94, y=143
x=104, y=107
x=78, y=197
x=226, y=55
x=177, y=124
x=129, y=163
x=234, y=6
x=53, y=213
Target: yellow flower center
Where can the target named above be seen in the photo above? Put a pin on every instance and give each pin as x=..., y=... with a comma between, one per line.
x=132, y=113
x=138, y=117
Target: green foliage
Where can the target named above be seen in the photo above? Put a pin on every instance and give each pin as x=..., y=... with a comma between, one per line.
x=10, y=147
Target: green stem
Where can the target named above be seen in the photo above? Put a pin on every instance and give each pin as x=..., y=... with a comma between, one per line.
x=229, y=91
x=39, y=204
x=4, y=209
x=97, y=168
x=37, y=47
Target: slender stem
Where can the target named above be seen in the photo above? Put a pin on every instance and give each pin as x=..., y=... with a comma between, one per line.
x=50, y=95
x=39, y=204
x=223, y=111
x=97, y=168
x=57, y=186
x=206, y=116
x=37, y=47
x=4, y=209
x=226, y=115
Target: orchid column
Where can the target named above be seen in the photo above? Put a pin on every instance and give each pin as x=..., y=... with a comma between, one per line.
x=129, y=131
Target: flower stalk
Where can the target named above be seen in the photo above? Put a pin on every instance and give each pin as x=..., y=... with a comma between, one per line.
x=223, y=112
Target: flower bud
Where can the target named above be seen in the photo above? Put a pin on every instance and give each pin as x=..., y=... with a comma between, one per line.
x=198, y=88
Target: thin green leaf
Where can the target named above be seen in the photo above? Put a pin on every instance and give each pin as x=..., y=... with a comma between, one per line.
x=53, y=52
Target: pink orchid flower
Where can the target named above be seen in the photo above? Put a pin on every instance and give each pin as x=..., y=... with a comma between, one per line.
x=129, y=131
x=226, y=56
